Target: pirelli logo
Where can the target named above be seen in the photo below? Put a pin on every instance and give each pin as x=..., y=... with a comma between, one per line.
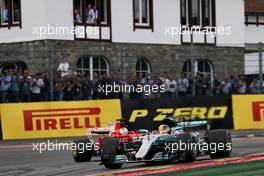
x=258, y=111
x=59, y=119
x=214, y=112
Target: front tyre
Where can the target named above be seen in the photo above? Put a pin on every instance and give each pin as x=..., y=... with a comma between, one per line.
x=81, y=155
x=190, y=154
x=110, y=148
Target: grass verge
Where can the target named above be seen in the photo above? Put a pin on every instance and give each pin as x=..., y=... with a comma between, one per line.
x=255, y=168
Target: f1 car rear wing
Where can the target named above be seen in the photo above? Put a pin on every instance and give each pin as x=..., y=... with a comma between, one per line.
x=111, y=128
x=102, y=131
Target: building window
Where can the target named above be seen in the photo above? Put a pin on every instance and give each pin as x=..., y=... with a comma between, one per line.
x=143, y=67
x=195, y=12
x=92, y=12
x=93, y=65
x=254, y=18
x=183, y=12
x=198, y=12
x=10, y=13
x=143, y=13
x=202, y=68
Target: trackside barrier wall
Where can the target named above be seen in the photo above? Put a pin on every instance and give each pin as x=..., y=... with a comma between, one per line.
x=56, y=119
x=148, y=113
x=248, y=112
x=1, y=136
x=65, y=119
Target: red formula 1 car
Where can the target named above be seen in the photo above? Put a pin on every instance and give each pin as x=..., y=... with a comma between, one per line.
x=84, y=149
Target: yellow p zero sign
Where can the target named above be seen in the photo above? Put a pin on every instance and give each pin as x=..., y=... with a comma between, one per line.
x=248, y=111
x=56, y=119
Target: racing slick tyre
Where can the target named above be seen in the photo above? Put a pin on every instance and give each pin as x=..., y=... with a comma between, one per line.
x=110, y=148
x=222, y=142
x=190, y=154
x=82, y=155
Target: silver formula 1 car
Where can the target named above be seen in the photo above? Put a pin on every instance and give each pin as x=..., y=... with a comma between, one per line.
x=179, y=138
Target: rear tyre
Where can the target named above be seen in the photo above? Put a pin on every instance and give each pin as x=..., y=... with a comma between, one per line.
x=82, y=155
x=221, y=140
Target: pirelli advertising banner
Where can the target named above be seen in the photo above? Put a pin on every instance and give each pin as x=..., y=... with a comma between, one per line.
x=248, y=111
x=148, y=114
x=56, y=119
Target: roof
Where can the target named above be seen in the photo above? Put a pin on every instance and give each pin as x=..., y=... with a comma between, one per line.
x=254, y=6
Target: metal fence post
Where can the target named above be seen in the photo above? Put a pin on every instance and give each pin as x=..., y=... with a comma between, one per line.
x=193, y=69
x=261, y=67
x=122, y=71
x=50, y=74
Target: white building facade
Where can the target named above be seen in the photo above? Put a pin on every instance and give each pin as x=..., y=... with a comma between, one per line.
x=155, y=35
x=254, y=34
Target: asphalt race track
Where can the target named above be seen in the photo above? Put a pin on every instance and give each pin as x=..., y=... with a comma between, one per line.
x=18, y=158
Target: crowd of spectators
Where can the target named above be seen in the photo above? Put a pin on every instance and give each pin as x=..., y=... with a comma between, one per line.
x=15, y=87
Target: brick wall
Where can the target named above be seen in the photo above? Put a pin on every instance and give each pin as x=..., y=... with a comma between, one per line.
x=225, y=60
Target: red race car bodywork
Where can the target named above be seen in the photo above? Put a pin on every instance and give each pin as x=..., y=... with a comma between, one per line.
x=124, y=138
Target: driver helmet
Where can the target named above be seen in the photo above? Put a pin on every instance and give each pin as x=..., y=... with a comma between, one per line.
x=123, y=130
x=164, y=129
